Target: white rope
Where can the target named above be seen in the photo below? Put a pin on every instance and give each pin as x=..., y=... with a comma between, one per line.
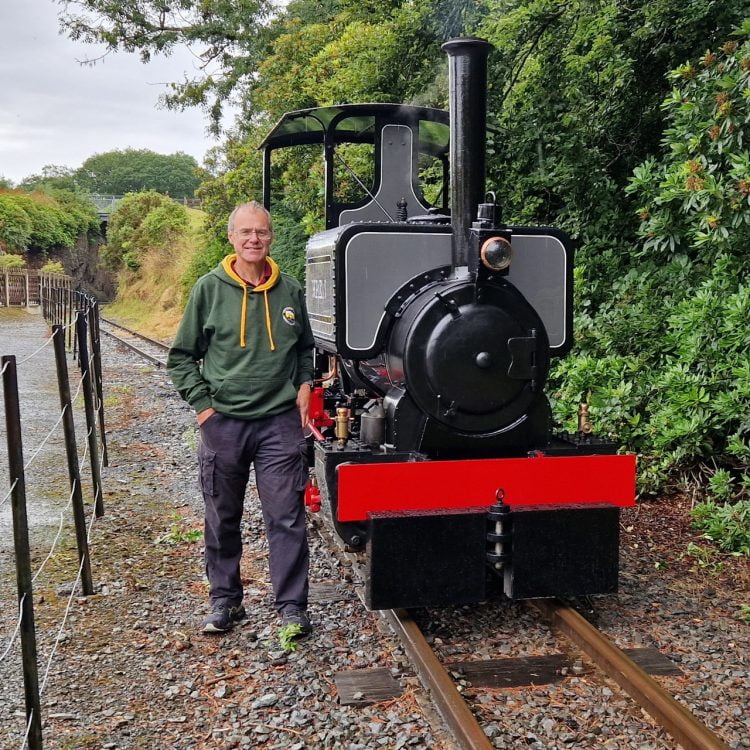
x=10, y=492
x=28, y=729
x=83, y=457
x=68, y=325
x=68, y=504
x=15, y=632
x=78, y=390
x=33, y=354
x=59, y=531
x=60, y=630
x=48, y=436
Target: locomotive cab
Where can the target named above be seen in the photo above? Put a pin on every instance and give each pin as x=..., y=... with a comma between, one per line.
x=435, y=325
x=400, y=146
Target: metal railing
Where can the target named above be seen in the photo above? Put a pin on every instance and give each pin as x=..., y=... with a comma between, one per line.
x=105, y=204
x=73, y=316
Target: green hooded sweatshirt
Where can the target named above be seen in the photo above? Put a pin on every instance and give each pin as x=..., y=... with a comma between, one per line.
x=255, y=343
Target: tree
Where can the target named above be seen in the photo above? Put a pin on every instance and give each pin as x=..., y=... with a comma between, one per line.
x=575, y=105
x=696, y=197
x=41, y=221
x=228, y=36
x=5, y=183
x=131, y=170
x=142, y=221
x=51, y=176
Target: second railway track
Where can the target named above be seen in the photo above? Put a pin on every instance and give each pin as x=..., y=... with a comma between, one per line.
x=150, y=349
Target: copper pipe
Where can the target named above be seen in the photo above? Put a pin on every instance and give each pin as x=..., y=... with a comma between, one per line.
x=328, y=377
x=317, y=434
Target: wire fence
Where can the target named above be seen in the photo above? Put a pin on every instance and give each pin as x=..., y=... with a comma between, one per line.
x=74, y=320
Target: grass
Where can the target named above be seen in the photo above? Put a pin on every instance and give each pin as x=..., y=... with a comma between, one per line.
x=190, y=436
x=178, y=534
x=150, y=301
x=288, y=637
x=116, y=395
x=705, y=558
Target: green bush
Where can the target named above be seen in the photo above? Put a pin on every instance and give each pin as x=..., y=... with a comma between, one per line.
x=52, y=266
x=15, y=224
x=697, y=196
x=661, y=331
x=289, y=241
x=142, y=221
x=41, y=221
x=11, y=262
x=48, y=227
x=728, y=525
x=205, y=259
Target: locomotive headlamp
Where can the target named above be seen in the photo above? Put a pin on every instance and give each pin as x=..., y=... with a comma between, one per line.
x=496, y=253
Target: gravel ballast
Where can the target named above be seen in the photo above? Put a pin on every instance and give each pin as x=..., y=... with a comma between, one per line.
x=132, y=670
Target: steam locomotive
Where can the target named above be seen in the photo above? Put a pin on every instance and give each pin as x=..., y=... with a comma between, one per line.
x=434, y=325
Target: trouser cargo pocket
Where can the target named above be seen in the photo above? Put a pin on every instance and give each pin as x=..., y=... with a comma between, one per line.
x=207, y=464
x=303, y=466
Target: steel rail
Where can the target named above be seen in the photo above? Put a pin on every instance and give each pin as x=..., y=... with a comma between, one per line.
x=433, y=676
x=451, y=704
x=158, y=362
x=669, y=713
x=160, y=344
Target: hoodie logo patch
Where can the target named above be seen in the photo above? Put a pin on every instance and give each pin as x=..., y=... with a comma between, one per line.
x=288, y=315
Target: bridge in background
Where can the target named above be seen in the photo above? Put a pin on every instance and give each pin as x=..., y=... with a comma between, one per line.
x=105, y=204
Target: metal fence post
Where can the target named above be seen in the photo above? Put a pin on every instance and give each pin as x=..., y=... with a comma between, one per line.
x=88, y=399
x=96, y=351
x=69, y=315
x=71, y=450
x=23, y=556
x=77, y=314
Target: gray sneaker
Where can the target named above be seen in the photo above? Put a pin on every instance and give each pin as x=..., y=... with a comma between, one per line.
x=297, y=616
x=223, y=617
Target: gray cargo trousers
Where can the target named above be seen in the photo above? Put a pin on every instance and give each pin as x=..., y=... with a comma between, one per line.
x=276, y=447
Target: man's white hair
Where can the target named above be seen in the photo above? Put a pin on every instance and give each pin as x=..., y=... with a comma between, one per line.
x=252, y=206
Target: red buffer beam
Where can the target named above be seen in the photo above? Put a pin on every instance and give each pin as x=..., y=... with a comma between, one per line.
x=439, y=485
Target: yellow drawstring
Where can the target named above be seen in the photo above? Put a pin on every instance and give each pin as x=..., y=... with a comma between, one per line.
x=243, y=315
x=264, y=287
x=268, y=321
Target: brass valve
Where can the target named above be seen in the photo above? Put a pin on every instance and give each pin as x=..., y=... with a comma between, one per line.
x=584, y=422
x=342, y=425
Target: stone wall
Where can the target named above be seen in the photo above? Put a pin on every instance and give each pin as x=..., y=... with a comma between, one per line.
x=83, y=264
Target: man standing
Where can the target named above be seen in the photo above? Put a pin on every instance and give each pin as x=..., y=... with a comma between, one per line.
x=247, y=322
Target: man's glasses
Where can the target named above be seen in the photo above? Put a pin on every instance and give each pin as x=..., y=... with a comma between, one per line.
x=261, y=234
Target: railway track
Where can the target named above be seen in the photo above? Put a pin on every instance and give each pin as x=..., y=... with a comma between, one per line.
x=671, y=715
x=439, y=682
x=668, y=713
x=150, y=349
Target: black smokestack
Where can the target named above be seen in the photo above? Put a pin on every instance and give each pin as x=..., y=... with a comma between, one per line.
x=468, y=110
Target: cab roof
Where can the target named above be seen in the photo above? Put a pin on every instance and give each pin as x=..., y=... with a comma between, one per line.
x=354, y=123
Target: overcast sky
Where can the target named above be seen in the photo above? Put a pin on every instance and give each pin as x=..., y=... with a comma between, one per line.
x=55, y=111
